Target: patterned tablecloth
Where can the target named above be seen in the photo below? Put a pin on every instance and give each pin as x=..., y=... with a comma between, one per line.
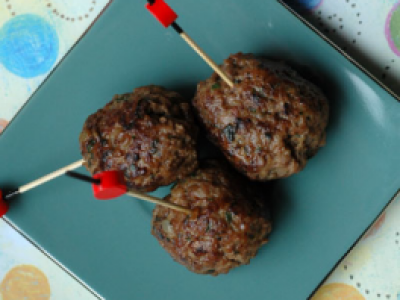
x=36, y=34
x=34, y=37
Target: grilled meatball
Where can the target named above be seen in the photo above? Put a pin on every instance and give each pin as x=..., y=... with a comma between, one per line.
x=149, y=134
x=227, y=227
x=270, y=123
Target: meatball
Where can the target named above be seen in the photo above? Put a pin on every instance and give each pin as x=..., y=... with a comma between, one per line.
x=149, y=134
x=228, y=225
x=270, y=123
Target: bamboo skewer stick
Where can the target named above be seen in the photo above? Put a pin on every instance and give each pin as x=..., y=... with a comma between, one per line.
x=206, y=58
x=78, y=164
x=158, y=201
x=135, y=194
x=167, y=17
x=50, y=176
x=44, y=179
x=131, y=193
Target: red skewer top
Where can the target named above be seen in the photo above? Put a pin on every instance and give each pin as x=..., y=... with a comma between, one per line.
x=3, y=205
x=112, y=185
x=162, y=12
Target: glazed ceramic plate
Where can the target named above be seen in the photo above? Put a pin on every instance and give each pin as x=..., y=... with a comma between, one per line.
x=319, y=213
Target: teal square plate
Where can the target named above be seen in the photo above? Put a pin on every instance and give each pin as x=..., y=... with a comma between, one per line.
x=320, y=212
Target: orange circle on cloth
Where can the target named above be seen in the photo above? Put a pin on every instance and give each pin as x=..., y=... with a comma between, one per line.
x=3, y=124
x=25, y=282
x=337, y=291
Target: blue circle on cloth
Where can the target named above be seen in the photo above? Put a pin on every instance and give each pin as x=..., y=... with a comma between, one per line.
x=305, y=4
x=28, y=45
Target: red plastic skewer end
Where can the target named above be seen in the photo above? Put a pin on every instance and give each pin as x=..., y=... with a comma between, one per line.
x=112, y=185
x=162, y=12
x=3, y=205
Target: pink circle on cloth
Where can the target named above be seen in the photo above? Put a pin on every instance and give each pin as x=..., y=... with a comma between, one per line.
x=318, y=5
x=388, y=33
x=375, y=227
x=3, y=124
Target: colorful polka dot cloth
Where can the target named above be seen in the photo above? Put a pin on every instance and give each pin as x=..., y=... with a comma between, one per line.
x=368, y=31
x=36, y=34
x=34, y=37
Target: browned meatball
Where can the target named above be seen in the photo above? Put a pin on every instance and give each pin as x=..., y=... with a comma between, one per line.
x=270, y=123
x=149, y=134
x=227, y=227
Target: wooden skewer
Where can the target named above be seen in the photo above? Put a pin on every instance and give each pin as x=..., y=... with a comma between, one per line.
x=167, y=17
x=131, y=193
x=207, y=59
x=158, y=201
x=202, y=54
x=78, y=164
x=46, y=178
x=7, y=195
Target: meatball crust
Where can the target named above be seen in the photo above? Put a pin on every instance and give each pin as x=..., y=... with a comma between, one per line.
x=149, y=134
x=228, y=225
x=270, y=123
